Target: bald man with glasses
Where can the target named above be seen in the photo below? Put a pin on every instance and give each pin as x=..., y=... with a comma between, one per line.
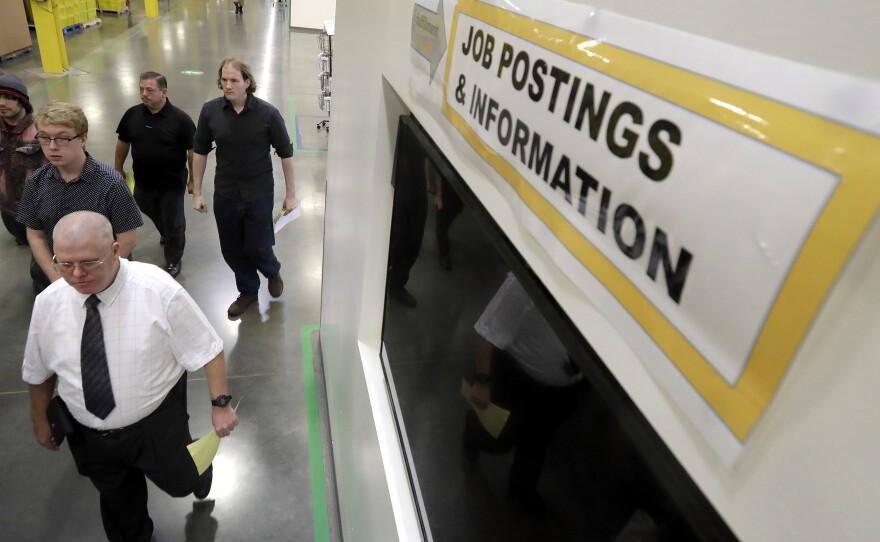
x=71, y=181
x=118, y=338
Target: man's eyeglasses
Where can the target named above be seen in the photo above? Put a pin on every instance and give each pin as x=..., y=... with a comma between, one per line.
x=147, y=90
x=66, y=268
x=60, y=141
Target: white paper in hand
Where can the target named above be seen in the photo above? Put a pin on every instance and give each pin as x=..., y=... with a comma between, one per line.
x=284, y=218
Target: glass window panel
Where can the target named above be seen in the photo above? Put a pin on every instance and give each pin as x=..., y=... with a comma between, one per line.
x=575, y=459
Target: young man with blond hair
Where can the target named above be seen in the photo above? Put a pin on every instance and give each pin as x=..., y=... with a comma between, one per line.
x=71, y=181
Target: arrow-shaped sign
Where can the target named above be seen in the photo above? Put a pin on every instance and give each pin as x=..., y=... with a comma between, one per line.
x=428, y=36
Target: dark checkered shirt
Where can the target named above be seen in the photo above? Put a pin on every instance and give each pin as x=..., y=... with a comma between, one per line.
x=99, y=188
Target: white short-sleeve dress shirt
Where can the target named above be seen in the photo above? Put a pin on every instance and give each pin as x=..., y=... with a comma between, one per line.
x=153, y=332
x=513, y=323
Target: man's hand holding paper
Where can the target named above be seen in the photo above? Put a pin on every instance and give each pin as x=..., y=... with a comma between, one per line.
x=285, y=217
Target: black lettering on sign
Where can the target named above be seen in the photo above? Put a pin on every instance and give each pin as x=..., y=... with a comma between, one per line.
x=661, y=150
x=561, y=178
x=675, y=276
x=625, y=149
x=588, y=182
x=632, y=249
x=631, y=233
x=536, y=87
x=479, y=46
x=588, y=105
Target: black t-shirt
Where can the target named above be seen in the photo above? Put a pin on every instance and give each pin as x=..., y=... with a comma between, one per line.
x=159, y=144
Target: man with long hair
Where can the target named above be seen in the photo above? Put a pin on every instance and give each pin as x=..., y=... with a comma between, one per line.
x=244, y=129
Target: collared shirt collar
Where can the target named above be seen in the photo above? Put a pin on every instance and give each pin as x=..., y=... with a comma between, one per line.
x=247, y=102
x=109, y=295
x=162, y=112
x=88, y=167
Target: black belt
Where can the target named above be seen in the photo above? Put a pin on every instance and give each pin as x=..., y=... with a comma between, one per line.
x=112, y=433
x=173, y=396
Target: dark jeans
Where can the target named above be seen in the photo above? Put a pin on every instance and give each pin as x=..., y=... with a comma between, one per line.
x=246, y=240
x=165, y=209
x=16, y=228
x=536, y=412
x=118, y=465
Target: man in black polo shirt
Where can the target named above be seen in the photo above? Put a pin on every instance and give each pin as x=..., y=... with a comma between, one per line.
x=244, y=129
x=160, y=137
x=71, y=181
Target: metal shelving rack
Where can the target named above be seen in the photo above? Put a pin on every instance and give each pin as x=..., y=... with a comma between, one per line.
x=325, y=64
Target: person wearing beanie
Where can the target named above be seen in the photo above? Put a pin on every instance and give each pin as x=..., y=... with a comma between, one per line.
x=20, y=154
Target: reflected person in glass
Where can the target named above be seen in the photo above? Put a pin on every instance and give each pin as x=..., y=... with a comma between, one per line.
x=522, y=366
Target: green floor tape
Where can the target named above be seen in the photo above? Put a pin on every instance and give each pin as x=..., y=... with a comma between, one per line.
x=316, y=458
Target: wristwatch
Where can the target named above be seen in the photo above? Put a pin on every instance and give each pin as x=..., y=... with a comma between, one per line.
x=221, y=401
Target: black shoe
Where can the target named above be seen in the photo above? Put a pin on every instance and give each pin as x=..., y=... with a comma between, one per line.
x=173, y=268
x=404, y=298
x=204, y=485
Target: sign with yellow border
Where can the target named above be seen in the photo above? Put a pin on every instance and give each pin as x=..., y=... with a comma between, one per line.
x=716, y=216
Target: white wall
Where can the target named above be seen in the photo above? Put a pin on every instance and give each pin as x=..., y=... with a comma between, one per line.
x=809, y=471
x=311, y=13
x=373, y=493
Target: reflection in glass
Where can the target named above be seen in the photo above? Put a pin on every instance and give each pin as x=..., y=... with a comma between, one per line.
x=575, y=460
x=522, y=366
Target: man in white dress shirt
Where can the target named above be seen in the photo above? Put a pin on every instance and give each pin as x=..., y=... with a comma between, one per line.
x=153, y=333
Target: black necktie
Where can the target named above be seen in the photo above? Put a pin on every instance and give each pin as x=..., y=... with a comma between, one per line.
x=93, y=359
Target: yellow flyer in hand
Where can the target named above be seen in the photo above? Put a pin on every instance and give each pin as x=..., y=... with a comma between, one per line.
x=204, y=449
x=129, y=181
x=493, y=417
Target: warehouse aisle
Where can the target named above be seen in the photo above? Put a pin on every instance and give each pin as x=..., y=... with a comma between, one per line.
x=268, y=482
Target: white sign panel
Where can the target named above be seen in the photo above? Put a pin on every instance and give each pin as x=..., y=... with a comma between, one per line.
x=715, y=214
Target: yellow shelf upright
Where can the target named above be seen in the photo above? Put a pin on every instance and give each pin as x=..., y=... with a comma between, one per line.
x=50, y=35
